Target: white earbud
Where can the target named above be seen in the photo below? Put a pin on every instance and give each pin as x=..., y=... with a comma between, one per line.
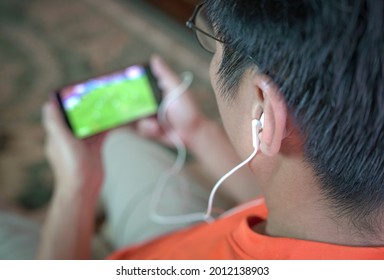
x=257, y=125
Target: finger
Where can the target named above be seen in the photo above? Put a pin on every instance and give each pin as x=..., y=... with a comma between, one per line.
x=148, y=127
x=53, y=121
x=96, y=141
x=167, y=78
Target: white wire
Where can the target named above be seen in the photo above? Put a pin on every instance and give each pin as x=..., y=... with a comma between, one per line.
x=208, y=214
x=187, y=78
x=179, y=163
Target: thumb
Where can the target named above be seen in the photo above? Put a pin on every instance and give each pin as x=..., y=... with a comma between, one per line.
x=53, y=122
x=168, y=79
x=148, y=127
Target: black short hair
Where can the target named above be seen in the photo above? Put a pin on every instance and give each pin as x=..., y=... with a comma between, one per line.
x=327, y=58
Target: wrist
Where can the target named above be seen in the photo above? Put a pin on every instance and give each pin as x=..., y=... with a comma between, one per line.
x=85, y=182
x=80, y=193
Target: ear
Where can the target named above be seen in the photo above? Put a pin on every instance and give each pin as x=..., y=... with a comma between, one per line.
x=275, y=114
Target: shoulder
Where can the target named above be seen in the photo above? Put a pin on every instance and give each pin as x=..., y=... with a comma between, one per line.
x=203, y=241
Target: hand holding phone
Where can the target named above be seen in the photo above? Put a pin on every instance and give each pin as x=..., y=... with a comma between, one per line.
x=101, y=103
x=76, y=163
x=183, y=115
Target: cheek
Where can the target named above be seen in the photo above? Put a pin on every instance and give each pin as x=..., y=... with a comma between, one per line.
x=234, y=114
x=213, y=70
x=230, y=113
x=223, y=107
x=215, y=65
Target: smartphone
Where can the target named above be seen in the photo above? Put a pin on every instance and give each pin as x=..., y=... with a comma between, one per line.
x=111, y=100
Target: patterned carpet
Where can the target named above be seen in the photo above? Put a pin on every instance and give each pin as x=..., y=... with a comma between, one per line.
x=47, y=43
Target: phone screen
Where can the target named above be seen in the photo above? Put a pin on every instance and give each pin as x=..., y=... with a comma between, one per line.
x=104, y=102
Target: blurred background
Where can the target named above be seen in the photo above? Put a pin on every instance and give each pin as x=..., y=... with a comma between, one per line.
x=45, y=44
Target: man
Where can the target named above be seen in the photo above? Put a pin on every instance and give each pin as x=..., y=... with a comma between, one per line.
x=315, y=70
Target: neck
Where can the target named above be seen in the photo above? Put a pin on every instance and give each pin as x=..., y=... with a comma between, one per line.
x=297, y=209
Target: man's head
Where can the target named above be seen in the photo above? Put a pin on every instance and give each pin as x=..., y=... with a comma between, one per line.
x=317, y=64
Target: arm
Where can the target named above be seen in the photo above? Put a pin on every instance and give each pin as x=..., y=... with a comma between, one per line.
x=68, y=229
x=78, y=175
x=205, y=139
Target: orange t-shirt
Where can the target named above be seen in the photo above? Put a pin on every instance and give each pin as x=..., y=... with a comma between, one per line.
x=232, y=237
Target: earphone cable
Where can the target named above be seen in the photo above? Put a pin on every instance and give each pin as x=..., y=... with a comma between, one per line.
x=180, y=161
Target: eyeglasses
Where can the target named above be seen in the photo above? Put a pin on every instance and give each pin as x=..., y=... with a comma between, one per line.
x=203, y=29
x=204, y=32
